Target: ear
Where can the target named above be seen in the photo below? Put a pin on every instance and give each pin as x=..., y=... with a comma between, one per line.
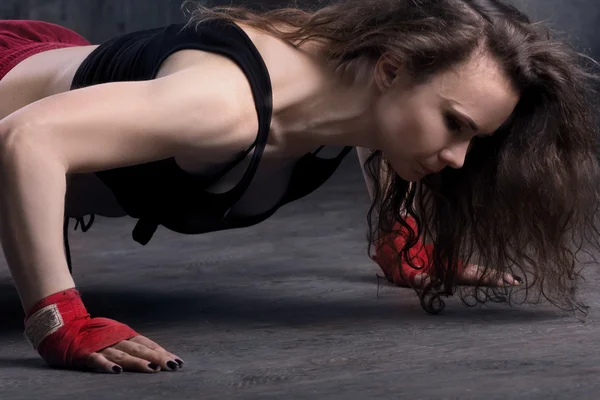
x=386, y=72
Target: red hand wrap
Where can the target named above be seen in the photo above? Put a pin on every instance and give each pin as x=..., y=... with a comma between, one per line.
x=61, y=330
x=421, y=255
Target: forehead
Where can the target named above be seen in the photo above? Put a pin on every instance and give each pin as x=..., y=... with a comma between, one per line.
x=479, y=88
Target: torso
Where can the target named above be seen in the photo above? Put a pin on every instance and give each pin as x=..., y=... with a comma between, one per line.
x=52, y=72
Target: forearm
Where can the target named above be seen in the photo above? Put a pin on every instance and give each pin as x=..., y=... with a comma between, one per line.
x=31, y=214
x=363, y=156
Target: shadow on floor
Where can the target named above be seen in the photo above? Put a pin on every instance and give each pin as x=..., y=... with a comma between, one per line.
x=140, y=306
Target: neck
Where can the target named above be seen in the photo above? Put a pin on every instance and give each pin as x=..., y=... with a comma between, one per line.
x=337, y=111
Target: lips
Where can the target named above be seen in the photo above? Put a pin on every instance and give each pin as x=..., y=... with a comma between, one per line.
x=426, y=170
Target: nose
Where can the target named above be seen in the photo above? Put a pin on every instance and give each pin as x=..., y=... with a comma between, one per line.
x=454, y=156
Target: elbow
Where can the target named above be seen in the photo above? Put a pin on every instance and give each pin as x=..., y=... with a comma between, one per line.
x=8, y=137
x=19, y=146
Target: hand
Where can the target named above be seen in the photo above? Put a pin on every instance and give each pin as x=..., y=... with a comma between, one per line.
x=472, y=275
x=63, y=332
x=421, y=256
x=138, y=354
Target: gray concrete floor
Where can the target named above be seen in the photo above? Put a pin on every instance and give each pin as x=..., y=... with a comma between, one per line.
x=289, y=309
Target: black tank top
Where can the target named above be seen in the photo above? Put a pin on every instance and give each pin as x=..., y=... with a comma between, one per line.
x=160, y=192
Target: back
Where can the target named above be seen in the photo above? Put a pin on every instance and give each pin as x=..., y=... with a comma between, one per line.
x=37, y=59
x=161, y=192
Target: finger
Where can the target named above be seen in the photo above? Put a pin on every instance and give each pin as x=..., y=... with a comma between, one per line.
x=156, y=359
x=98, y=362
x=517, y=280
x=154, y=346
x=422, y=279
x=160, y=359
x=147, y=342
x=418, y=279
x=471, y=274
x=510, y=279
x=507, y=280
x=482, y=276
x=127, y=361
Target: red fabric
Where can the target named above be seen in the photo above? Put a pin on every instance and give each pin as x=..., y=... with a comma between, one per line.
x=421, y=255
x=81, y=335
x=20, y=39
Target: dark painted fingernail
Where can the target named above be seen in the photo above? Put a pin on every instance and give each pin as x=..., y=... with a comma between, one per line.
x=172, y=365
x=180, y=362
x=153, y=366
x=117, y=370
x=518, y=279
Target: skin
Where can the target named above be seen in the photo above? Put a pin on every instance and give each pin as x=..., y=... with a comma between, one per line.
x=426, y=128
x=43, y=142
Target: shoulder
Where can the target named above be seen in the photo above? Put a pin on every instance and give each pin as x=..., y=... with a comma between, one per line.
x=212, y=93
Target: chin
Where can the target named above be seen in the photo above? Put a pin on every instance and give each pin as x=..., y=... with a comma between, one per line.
x=413, y=179
x=409, y=175
x=406, y=170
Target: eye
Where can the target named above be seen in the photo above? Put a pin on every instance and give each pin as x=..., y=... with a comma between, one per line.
x=452, y=123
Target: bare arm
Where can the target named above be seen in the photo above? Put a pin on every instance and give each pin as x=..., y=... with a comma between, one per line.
x=208, y=109
x=363, y=155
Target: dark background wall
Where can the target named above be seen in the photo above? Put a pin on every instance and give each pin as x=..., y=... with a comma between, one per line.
x=98, y=20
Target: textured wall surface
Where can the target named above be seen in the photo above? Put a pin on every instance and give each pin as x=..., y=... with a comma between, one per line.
x=101, y=19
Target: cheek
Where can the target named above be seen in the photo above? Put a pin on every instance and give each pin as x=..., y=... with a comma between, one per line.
x=399, y=140
x=410, y=132
x=389, y=121
x=393, y=127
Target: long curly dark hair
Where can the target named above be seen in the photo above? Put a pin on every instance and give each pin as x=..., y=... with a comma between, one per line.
x=525, y=201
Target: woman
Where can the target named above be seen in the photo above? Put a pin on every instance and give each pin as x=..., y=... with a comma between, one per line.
x=481, y=129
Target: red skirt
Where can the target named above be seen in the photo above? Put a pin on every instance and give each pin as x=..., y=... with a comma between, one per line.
x=20, y=39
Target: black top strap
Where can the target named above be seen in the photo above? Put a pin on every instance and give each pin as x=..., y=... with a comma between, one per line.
x=260, y=82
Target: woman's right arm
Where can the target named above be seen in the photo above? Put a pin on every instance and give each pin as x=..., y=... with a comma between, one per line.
x=208, y=110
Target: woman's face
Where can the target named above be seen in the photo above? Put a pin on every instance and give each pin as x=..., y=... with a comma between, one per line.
x=426, y=127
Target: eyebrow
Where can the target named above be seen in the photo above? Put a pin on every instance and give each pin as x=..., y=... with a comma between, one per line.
x=471, y=123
